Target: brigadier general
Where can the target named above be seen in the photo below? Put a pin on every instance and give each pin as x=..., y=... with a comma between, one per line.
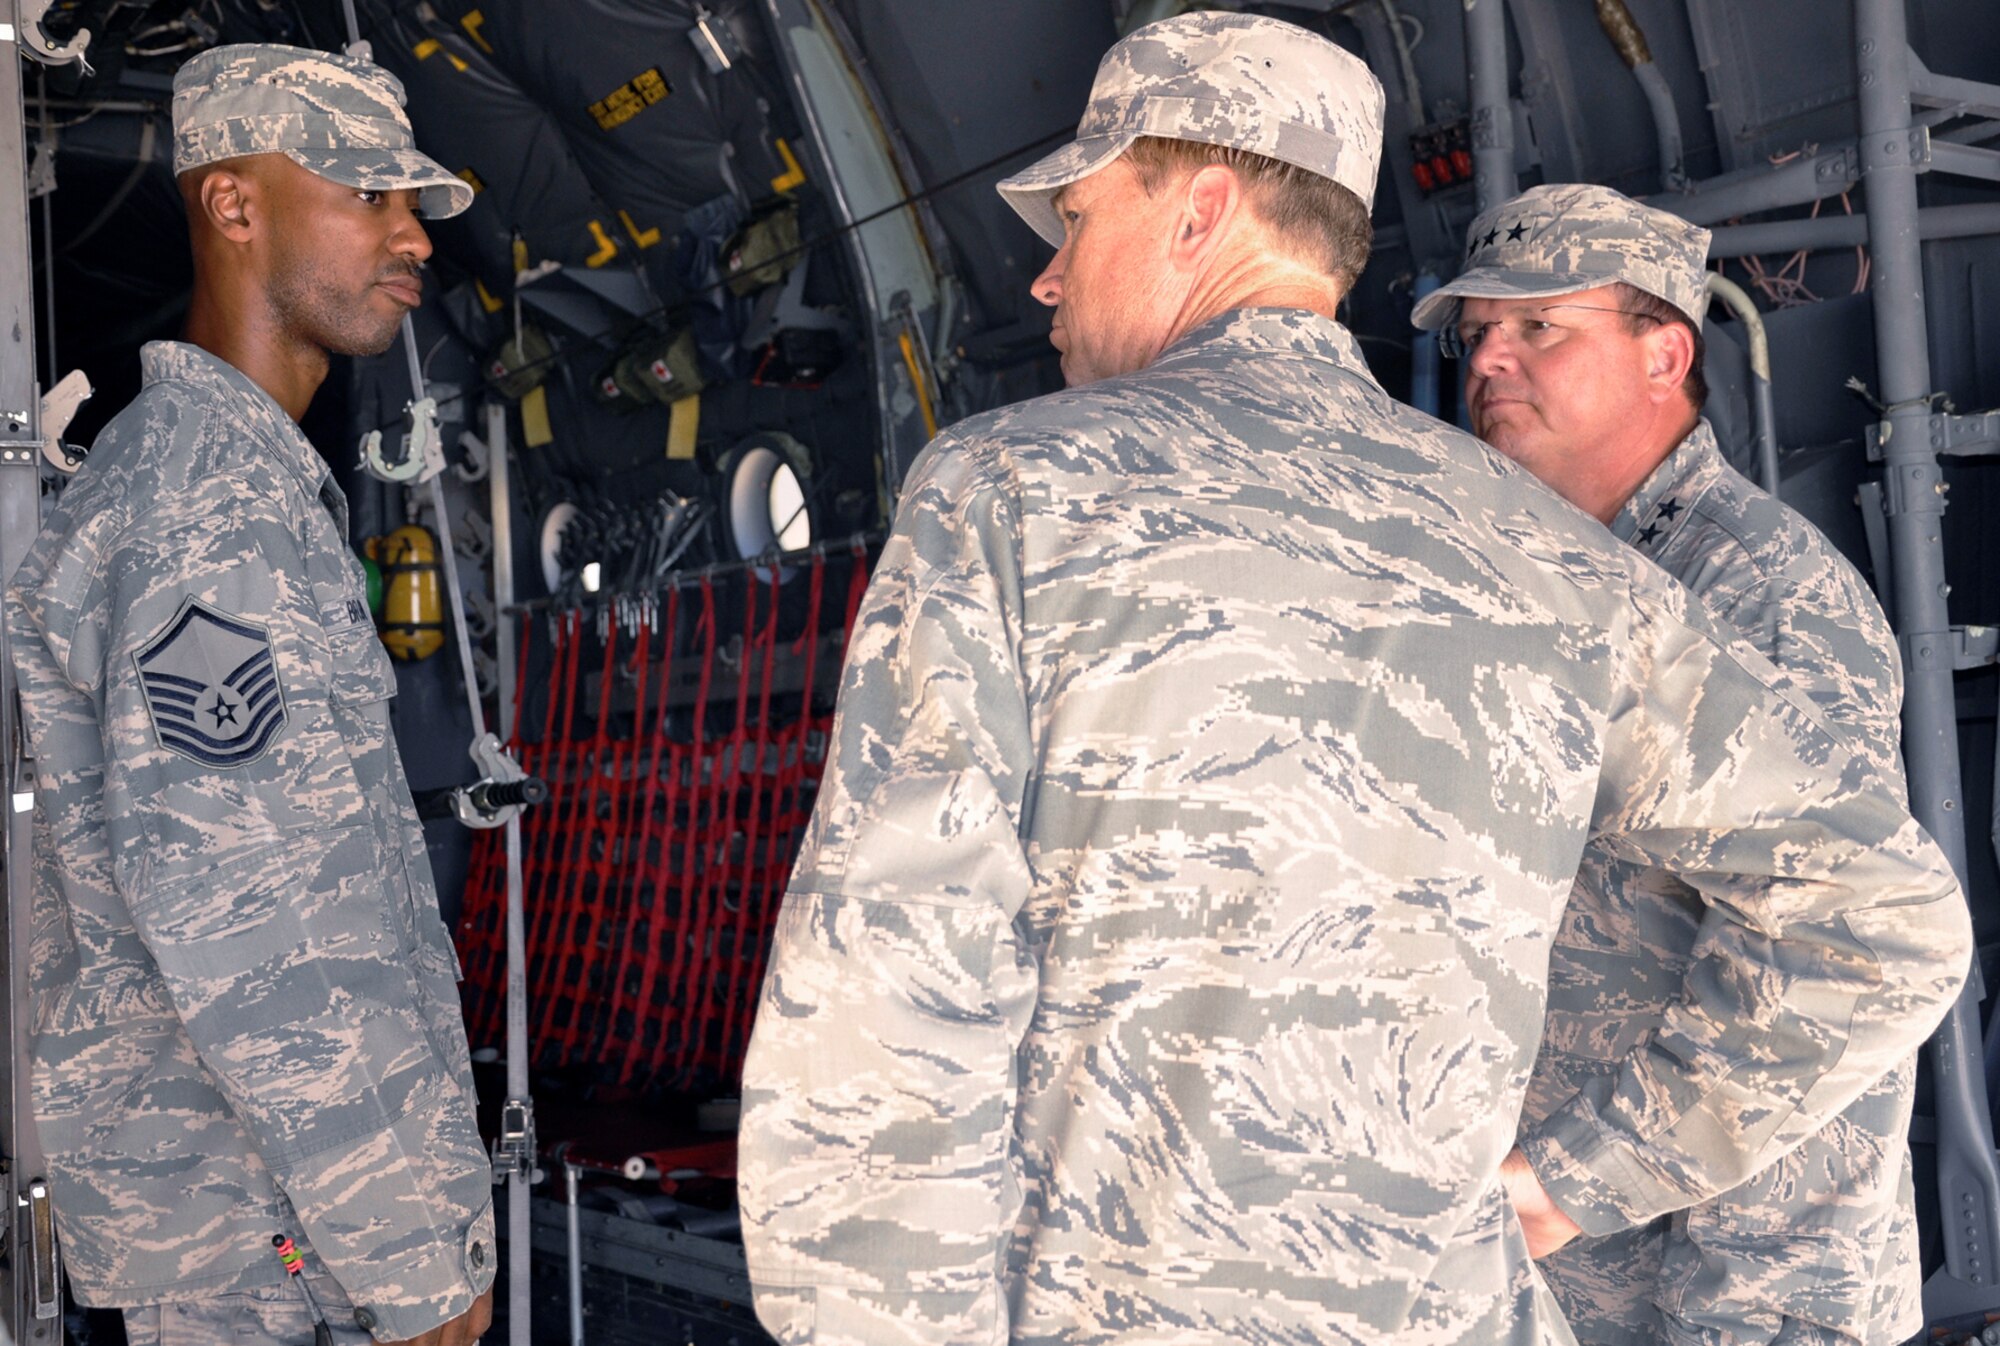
x=1218, y=746
x=248, y=1021
x=1578, y=318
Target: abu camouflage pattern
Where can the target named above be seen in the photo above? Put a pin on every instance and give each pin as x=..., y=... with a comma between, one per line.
x=247, y=1009
x=265, y=1315
x=339, y=116
x=1573, y=236
x=1167, y=956
x=1819, y=1249
x=1239, y=80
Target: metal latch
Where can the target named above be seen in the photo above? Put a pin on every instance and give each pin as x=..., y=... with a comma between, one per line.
x=514, y=1150
x=44, y=1262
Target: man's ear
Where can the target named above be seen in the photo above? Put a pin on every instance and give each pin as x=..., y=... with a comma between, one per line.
x=227, y=202
x=1669, y=357
x=1210, y=198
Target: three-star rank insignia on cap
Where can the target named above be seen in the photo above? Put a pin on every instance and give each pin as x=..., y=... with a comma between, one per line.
x=211, y=686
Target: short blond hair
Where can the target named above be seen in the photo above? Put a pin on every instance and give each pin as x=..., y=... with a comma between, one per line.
x=1325, y=222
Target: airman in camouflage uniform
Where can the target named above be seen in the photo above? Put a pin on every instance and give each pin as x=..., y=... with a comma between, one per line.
x=1216, y=751
x=1820, y=1247
x=248, y=1019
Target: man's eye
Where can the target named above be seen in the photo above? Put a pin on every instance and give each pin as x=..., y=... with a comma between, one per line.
x=1535, y=327
x=368, y=198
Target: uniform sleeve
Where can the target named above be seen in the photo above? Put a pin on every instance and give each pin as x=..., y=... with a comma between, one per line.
x=1834, y=937
x=879, y=1091
x=249, y=859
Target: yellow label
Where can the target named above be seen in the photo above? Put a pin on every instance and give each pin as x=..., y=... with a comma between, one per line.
x=473, y=180
x=683, y=419
x=793, y=174
x=645, y=238
x=472, y=22
x=430, y=47
x=535, y=431
x=487, y=299
x=606, y=249
x=520, y=255
x=629, y=99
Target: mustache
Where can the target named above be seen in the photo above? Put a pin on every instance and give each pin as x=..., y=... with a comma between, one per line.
x=404, y=271
x=1488, y=391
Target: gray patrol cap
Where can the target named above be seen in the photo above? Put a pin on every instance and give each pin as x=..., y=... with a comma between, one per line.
x=1239, y=80
x=1572, y=236
x=339, y=116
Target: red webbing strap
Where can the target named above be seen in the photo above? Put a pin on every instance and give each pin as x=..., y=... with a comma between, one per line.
x=688, y=923
x=664, y=902
x=561, y=851
x=652, y=906
x=857, y=585
x=764, y=875
x=591, y=884
x=746, y=937
x=727, y=777
x=629, y=839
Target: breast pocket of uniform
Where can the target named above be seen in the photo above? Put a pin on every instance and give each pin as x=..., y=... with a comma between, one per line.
x=358, y=670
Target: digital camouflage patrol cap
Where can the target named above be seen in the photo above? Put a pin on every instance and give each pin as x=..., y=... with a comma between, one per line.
x=1239, y=80
x=1572, y=236
x=339, y=116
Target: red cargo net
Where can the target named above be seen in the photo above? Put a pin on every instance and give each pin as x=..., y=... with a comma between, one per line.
x=683, y=738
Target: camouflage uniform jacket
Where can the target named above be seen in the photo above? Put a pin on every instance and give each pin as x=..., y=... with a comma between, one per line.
x=248, y=1014
x=1820, y=1247
x=1166, y=958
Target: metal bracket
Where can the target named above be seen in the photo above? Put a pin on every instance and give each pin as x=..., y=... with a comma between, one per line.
x=35, y=42
x=59, y=408
x=1974, y=646
x=486, y=673
x=514, y=1148
x=44, y=1262
x=42, y=169
x=1910, y=148
x=478, y=458
x=1485, y=127
x=421, y=456
x=713, y=40
x=490, y=803
x=475, y=538
x=479, y=614
x=1952, y=435
x=1913, y=488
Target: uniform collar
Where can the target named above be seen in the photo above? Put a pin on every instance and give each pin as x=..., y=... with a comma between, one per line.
x=1662, y=503
x=1265, y=330
x=179, y=362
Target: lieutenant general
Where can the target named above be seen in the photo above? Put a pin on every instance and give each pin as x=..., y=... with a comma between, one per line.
x=1218, y=747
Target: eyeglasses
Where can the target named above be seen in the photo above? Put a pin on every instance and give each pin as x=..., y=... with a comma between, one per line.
x=1460, y=340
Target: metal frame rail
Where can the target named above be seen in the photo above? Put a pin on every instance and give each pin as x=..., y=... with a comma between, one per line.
x=1907, y=442
x=30, y=1267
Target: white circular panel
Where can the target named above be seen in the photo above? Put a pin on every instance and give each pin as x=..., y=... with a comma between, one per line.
x=789, y=519
x=553, y=524
x=750, y=501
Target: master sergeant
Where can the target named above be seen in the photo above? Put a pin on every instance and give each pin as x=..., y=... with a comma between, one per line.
x=248, y=1020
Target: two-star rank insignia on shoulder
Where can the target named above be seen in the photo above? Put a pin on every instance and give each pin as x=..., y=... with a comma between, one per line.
x=211, y=686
